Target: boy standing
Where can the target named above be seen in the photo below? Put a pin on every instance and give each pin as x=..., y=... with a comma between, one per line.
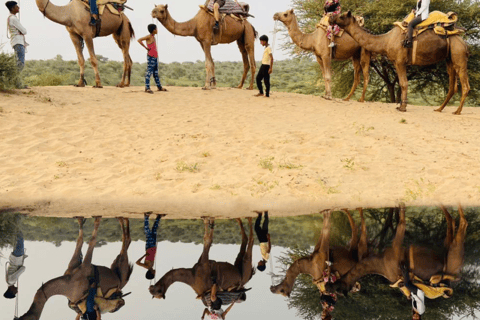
x=264, y=239
x=17, y=37
x=150, y=245
x=152, y=58
x=266, y=68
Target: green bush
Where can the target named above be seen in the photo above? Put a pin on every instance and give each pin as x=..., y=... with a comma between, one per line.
x=8, y=71
x=47, y=79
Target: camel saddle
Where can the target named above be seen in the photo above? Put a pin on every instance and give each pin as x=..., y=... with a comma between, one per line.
x=441, y=23
x=114, y=6
x=434, y=289
x=324, y=24
x=110, y=302
x=232, y=7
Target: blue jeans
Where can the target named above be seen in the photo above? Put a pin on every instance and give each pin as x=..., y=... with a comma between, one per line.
x=19, y=248
x=20, y=53
x=151, y=236
x=93, y=6
x=152, y=68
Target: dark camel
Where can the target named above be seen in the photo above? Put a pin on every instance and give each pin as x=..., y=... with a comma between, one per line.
x=199, y=278
x=317, y=42
x=426, y=262
x=201, y=27
x=343, y=258
x=431, y=49
x=74, y=283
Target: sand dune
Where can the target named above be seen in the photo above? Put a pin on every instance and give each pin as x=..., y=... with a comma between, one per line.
x=187, y=152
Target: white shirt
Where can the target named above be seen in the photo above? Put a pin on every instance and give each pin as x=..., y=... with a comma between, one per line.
x=418, y=301
x=15, y=269
x=17, y=31
x=423, y=10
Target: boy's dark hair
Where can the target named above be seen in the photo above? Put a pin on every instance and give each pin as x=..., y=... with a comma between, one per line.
x=217, y=304
x=264, y=38
x=9, y=294
x=150, y=275
x=261, y=267
x=151, y=27
x=328, y=299
x=10, y=5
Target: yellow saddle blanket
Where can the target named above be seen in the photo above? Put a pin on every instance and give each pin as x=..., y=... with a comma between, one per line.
x=438, y=21
x=432, y=290
x=102, y=301
x=102, y=4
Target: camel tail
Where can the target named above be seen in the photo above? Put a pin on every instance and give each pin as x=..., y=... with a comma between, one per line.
x=255, y=32
x=124, y=278
x=120, y=29
x=132, y=33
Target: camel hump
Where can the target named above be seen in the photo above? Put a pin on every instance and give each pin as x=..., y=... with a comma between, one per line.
x=230, y=7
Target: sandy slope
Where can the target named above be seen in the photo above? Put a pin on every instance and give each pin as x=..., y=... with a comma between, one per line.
x=67, y=151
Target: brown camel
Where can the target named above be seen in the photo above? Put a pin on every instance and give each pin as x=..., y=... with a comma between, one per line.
x=431, y=49
x=228, y=276
x=343, y=258
x=423, y=262
x=201, y=27
x=76, y=17
x=317, y=42
x=75, y=282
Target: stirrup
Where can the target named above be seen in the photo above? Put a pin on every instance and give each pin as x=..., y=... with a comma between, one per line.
x=408, y=44
x=213, y=80
x=216, y=26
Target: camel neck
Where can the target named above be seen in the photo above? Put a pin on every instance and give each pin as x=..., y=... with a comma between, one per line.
x=177, y=275
x=303, y=40
x=371, y=265
x=373, y=43
x=58, y=14
x=184, y=29
x=304, y=266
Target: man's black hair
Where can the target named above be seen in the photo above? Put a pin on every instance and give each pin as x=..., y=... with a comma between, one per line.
x=9, y=294
x=149, y=275
x=264, y=38
x=261, y=267
x=217, y=304
x=328, y=299
x=10, y=5
x=151, y=27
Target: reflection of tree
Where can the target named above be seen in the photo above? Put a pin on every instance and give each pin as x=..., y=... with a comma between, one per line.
x=376, y=300
x=8, y=229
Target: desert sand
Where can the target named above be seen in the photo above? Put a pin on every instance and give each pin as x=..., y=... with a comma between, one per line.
x=69, y=151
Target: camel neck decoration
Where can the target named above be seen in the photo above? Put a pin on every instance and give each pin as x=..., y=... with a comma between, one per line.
x=76, y=19
x=201, y=27
x=199, y=278
x=75, y=282
x=344, y=258
x=317, y=42
x=428, y=49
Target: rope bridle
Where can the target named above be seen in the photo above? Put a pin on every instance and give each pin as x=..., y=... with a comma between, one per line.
x=45, y=9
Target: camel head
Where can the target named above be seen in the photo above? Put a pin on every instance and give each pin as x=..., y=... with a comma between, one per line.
x=157, y=291
x=342, y=20
x=285, y=17
x=160, y=12
x=281, y=289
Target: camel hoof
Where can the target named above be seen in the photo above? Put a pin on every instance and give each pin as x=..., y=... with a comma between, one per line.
x=79, y=85
x=402, y=109
x=456, y=113
x=361, y=100
x=120, y=85
x=346, y=99
x=205, y=88
x=98, y=87
x=437, y=110
x=327, y=97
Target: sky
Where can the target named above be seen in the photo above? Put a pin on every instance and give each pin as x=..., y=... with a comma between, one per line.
x=45, y=262
x=47, y=38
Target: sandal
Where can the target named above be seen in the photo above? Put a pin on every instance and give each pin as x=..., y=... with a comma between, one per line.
x=149, y=91
x=162, y=89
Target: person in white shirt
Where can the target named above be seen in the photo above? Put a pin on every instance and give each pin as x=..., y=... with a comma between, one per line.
x=17, y=35
x=417, y=295
x=15, y=267
x=421, y=14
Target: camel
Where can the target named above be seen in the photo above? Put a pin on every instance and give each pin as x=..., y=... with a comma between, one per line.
x=201, y=27
x=343, y=258
x=431, y=49
x=317, y=42
x=423, y=262
x=75, y=282
x=76, y=17
x=199, y=278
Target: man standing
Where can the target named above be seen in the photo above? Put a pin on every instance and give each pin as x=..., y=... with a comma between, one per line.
x=264, y=239
x=15, y=267
x=17, y=37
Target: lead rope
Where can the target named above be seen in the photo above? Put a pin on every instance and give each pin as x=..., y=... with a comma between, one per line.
x=276, y=29
x=16, y=302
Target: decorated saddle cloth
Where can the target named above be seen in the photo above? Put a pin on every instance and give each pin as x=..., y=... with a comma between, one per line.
x=231, y=7
x=227, y=297
x=325, y=25
x=441, y=23
x=115, y=6
x=434, y=289
x=110, y=302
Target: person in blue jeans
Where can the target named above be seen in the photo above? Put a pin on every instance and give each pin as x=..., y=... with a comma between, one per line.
x=17, y=38
x=15, y=267
x=150, y=245
x=93, y=11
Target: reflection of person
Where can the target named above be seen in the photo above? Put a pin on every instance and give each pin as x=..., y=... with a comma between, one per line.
x=332, y=7
x=17, y=34
x=92, y=312
x=417, y=295
x=421, y=13
x=264, y=239
x=15, y=267
x=150, y=246
x=93, y=12
x=216, y=311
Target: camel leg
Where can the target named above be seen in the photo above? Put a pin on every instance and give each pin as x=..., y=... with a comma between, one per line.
x=76, y=260
x=127, y=67
x=462, y=73
x=207, y=239
x=77, y=42
x=120, y=265
x=210, y=82
x=323, y=242
x=246, y=64
x=356, y=75
x=91, y=245
x=400, y=234
x=93, y=61
x=354, y=239
x=243, y=247
x=365, y=63
x=362, y=245
x=250, y=47
x=247, y=258
x=402, y=77
x=456, y=251
x=452, y=81
x=450, y=228
x=327, y=76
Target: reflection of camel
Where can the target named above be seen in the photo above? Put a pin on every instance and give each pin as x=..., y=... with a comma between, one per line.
x=76, y=18
x=318, y=43
x=431, y=49
x=343, y=258
x=426, y=262
x=228, y=276
x=75, y=282
x=201, y=27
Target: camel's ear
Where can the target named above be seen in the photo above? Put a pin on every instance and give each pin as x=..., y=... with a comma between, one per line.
x=166, y=6
x=349, y=13
x=291, y=11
